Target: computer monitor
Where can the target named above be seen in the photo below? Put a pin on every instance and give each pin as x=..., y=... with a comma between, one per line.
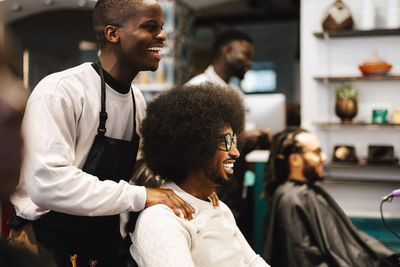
x=261, y=78
x=266, y=111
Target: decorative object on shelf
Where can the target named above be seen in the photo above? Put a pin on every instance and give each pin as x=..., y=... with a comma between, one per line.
x=367, y=19
x=396, y=116
x=337, y=17
x=393, y=14
x=346, y=103
x=374, y=65
x=379, y=116
x=345, y=154
x=381, y=155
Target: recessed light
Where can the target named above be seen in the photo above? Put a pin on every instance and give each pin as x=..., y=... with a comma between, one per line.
x=48, y=2
x=82, y=3
x=16, y=8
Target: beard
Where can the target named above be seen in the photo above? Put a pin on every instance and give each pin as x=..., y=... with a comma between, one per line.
x=239, y=71
x=215, y=175
x=238, y=67
x=310, y=172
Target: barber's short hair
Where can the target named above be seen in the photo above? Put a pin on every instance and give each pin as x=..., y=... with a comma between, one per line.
x=111, y=12
x=283, y=145
x=182, y=128
x=228, y=36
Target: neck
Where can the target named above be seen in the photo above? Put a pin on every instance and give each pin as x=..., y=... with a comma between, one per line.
x=299, y=179
x=116, y=68
x=198, y=186
x=297, y=176
x=222, y=70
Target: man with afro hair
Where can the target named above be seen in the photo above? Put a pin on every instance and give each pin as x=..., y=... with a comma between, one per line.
x=190, y=140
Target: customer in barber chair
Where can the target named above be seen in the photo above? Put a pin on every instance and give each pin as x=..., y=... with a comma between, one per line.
x=304, y=224
x=190, y=140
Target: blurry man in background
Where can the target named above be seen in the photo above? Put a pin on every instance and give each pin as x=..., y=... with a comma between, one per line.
x=233, y=57
x=304, y=225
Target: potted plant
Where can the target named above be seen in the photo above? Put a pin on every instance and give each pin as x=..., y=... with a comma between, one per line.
x=346, y=103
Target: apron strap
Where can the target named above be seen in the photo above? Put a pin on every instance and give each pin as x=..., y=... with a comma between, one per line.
x=101, y=130
x=135, y=136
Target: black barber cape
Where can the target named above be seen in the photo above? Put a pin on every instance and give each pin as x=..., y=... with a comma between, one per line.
x=304, y=226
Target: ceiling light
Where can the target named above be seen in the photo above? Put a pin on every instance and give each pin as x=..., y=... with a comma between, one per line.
x=48, y=2
x=82, y=3
x=16, y=8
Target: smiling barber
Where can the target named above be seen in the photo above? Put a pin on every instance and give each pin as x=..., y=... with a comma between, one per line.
x=81, y=131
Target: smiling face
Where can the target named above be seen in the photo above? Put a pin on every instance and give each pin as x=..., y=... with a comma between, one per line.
x=312, y=156
x=221, y=166
x=141, y=37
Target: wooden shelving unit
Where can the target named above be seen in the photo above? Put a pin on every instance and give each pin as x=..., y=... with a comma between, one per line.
x=357, y=33
x=366, y=126
x=363, y=172
x=357, y=78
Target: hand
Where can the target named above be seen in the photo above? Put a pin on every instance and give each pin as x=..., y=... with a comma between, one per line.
x=214, y=199
x=169, y=198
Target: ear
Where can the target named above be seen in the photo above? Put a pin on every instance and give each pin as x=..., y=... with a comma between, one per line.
x=226, y=52
x=295, y=160
x=112, y=33
x=226, y=49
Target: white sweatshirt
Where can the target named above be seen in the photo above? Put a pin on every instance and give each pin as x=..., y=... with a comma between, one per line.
x=59, y=127
x=212, y=238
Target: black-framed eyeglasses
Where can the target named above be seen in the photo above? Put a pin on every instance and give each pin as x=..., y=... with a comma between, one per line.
x=228, y=140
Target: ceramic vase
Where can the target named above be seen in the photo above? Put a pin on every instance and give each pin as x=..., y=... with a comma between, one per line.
x=337, y=17
x=393, y=14
x=367, y=15
x=346, y=109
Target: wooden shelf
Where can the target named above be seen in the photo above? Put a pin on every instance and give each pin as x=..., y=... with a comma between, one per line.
x=357, y=33
x=338, y=125
x=357, y=78
x=362, y=172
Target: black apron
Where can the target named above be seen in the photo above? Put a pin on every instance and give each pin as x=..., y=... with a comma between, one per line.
x=92, y=239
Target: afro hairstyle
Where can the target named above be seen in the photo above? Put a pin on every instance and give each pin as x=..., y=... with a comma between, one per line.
x=183, y=127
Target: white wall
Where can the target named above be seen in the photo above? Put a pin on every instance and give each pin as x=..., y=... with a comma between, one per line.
x=341, y=57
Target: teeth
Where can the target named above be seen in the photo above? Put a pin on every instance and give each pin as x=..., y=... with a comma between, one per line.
x=228, y=165
x=155, y=49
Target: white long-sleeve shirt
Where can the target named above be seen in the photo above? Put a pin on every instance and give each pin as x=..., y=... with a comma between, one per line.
x=209, y=75
x=212, y=238
x=59, y=126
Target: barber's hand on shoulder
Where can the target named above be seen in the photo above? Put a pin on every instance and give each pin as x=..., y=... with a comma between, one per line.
x=214, y=199
x=169, y=198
